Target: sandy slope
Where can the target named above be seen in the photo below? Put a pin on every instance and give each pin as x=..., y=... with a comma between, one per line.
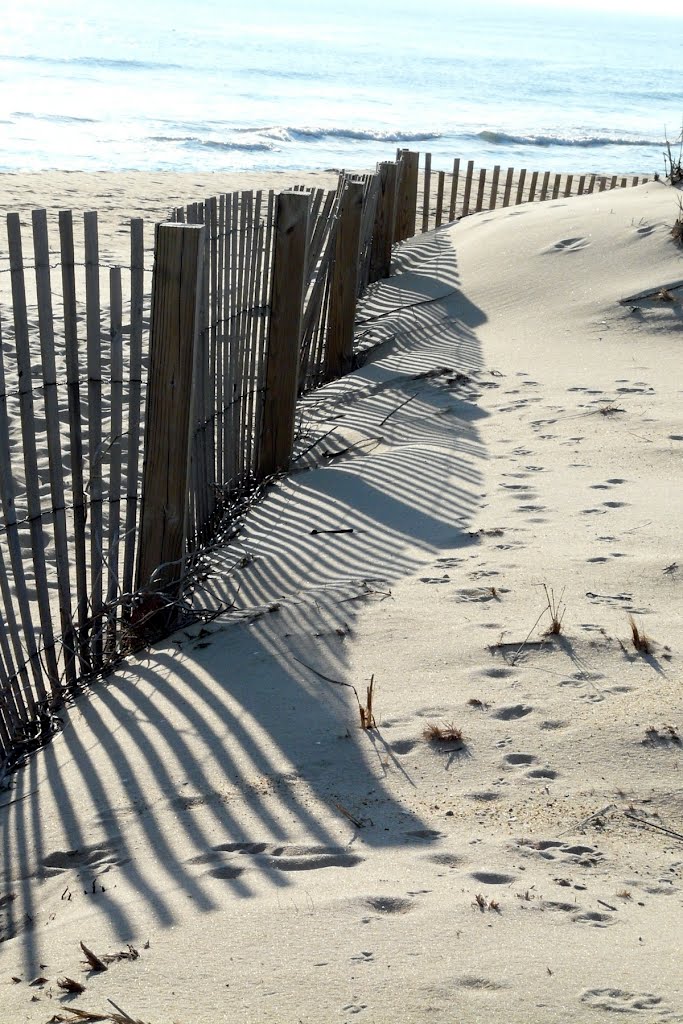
x=520, y=426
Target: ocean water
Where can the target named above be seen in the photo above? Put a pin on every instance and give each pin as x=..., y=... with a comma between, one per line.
x=201, y=85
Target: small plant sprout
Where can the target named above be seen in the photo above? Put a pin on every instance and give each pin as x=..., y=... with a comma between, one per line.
x=556, y=610
x=677, y=229
x=446, y=733
x=641, y=642
x=673, y=162
x=367, y=718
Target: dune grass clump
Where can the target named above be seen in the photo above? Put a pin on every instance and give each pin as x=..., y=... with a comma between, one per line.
x=446, y=733
x=556, y=610
x=677, y=229
x=641, y=642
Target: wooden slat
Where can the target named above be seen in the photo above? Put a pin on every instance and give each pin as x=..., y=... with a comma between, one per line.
x=508, y=186
x=29, y=437
x=95, y=482
x=344, y=283
x=21, y=689
x=582, y=182
x=544, y=187
x=454, y=189
x=568, y=185
x=76, y=457
x=19, y=566
x=468, y=188
x=54, y=446
x=264, y=329
x=175, y=313
x=591, y=184
x=116, y=429
x=532, y=187
x=480, y=190
x=291, y=235
x=137, y=288
x=613, y=183
x=603, y=184
x=406, y=211
x=250, y=371
x=520, y=186
x=219, y=397
x=232, y=376
x=383, y=232
x=425, y=191
x=494, y=187
x=441, y=181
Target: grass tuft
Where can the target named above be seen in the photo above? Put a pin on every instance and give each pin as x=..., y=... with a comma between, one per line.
x=446, y=733
x=556, y=610
x=641, y=642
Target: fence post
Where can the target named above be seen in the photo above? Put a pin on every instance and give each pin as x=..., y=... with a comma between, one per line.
x=284, y=338
x=385, y=218
x=406, y=200
x=425, y=192
x=176, y=298
x=344, y=286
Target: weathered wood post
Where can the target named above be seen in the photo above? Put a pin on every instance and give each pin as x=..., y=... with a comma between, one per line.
x=176, y=300
x=385, y=219
x=284, y=338
x=406, y=200
x=344, y=287
x=438, y=216
x=425, y=192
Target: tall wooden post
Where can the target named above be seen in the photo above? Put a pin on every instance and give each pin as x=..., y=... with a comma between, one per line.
x=385, y=218
x=284, y=338
x=425, y=192
x=406, y=202
x=176, y=299
x=344, y=288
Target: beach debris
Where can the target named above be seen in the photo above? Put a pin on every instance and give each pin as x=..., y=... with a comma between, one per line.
x=70, y=985
x=556, y=610
x=653, y=824
x=641, y=642
x=96, y=964
x=482, y=903
x=347, y=814
x=665, y=295
x=341, y=529
x=446, y=733
x=481, y=705
x=367, y=718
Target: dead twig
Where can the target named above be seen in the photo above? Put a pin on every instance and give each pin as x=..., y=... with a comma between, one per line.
x=652, y=824
x=95, y=963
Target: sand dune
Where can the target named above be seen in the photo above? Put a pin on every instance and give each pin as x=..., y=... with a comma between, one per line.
x=511, y=449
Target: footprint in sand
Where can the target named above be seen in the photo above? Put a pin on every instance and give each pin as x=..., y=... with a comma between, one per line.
x=292, y=857
x=620, y=1001
x=389, y=904
x=567, y=245
x=512, y=712
x=515, y=760
x=568, y=853
x=493, y=877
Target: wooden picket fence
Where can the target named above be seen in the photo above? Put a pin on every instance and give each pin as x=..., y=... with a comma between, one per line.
x=445, y=196
x=130, y=425
x=139, y=406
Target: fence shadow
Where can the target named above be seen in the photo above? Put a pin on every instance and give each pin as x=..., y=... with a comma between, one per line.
x=229, y=759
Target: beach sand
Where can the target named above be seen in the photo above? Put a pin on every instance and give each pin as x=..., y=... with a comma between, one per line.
x=511, y=449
